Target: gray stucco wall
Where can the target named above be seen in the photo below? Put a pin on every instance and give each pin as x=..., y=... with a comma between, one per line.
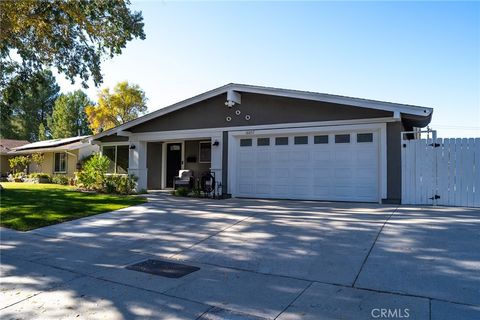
x=154, y=165
x=192, y=150
x=394, y=162
x=263, y=109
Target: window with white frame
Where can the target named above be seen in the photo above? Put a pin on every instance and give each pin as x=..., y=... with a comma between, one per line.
x=118, y=156
x=205, y=153
x=60, y=162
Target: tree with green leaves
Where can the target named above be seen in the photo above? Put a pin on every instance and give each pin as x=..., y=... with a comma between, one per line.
x=68, y=117
x=19, y=163
x=73, y=36
x=25, y=105
x=42, y=132
x=126, y=102
x=37, y=159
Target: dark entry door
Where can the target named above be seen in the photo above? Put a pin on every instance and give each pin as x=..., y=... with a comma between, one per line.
x=174, y=162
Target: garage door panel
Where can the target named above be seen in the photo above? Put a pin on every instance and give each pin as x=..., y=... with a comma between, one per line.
x=263, y=173
x=281, y=190
x=246, y=188
x=323, y=171
x=301, y=190
x=322, y=192
x=246, y=172
x=342, y=172
x=324, y=155
x=246, y=157
x=281, y=156
x=263, y=189
x=281, y=172
x=299, y=156
x=366, y=173
x=264, y=156
x=365, y=191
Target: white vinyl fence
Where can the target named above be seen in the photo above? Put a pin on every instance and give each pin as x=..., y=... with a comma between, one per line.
x=446, y=172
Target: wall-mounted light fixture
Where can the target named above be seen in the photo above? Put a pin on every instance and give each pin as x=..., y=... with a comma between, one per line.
x=132, y=146
x=216, y=143
x=233, y=98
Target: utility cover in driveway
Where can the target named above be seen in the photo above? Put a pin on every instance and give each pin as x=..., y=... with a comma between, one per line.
x=163, y=268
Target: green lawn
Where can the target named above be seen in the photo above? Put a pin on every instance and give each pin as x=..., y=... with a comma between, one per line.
x=27, y=206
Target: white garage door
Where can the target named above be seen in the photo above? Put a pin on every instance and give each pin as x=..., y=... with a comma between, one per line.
x=340, y=166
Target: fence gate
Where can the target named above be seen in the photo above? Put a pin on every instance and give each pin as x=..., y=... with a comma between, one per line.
x=441, y=172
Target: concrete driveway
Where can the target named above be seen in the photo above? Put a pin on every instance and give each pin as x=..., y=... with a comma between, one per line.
x=257, y=259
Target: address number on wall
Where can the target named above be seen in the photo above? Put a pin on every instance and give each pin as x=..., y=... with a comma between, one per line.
x=250, y=132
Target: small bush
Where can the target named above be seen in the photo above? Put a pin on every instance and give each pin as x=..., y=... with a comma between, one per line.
x=60, y=179
x=181, y=192
x=39, y=175
x=19, y=175
x=197, y=192
x=123, y=184
x=92, y=176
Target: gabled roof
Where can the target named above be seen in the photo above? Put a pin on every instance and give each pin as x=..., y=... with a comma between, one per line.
x=289, y=93
x=7, y=145
x=51, y=145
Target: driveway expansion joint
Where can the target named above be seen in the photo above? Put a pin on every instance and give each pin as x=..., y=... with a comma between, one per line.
x=373, y=245
x=295, y=299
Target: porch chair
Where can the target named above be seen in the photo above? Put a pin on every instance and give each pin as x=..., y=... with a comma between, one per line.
x=184, y=179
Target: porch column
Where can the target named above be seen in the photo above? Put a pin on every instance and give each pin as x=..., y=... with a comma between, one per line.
x=216, y=159
x=138, y=162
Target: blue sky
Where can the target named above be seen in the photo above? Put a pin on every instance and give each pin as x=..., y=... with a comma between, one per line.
x=423, y=53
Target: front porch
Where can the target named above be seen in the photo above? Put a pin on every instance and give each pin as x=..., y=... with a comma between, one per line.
x=156, y=162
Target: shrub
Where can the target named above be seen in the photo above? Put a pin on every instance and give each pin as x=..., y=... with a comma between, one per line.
x=19, y=177
x=60, y=179
x=40, y=177
x=181, y=192
x=123, y=184
x=92, y=176
x=197, y=192
x=19, y=163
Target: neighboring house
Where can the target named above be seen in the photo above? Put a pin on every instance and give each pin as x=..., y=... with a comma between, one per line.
x=61, y=156
x=271, y=143
x=7, y=145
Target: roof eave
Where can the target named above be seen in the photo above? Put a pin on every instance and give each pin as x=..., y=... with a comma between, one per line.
x=313, y=96
x=67, y=147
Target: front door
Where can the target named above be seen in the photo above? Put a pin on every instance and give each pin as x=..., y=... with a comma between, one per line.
x=174, y=162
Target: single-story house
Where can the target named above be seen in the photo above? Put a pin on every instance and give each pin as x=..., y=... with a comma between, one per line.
x=7, y=145
x=266, y=142
x=61, y=156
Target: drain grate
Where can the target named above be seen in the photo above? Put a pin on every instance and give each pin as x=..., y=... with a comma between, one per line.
x=163, y=268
